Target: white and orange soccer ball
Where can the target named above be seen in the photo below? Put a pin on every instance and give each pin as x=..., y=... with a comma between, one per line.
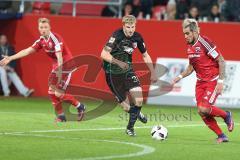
x=159, y=132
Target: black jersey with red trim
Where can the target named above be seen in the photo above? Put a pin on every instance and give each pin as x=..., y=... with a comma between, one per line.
x=122, y=48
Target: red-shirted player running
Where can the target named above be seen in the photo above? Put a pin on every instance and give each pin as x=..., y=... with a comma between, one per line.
x=56, y=49
x=206, y=60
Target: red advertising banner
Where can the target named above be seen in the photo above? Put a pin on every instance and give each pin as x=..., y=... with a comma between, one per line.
x=85, y=36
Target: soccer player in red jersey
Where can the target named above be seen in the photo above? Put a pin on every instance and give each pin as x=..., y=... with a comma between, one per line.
x=209, y=65
x=56, y=49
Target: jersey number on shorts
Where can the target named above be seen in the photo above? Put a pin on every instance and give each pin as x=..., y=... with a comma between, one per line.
x=135, y=79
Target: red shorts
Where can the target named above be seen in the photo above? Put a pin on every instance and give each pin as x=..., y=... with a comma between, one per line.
x=53, y=80
x=206, y=93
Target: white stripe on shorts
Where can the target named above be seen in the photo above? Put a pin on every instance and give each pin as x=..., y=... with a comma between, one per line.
x=213, y=96
x=67, y=81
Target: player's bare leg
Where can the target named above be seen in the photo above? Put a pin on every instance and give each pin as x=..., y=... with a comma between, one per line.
x=136, y=94
x=125, y=105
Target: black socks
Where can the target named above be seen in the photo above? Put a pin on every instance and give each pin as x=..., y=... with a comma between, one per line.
x=133, y=115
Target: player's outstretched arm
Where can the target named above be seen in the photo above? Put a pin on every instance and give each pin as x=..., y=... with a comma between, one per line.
x=60, y=63
x=221, y=63
x=22, y=53
x=106, y=56
x=148, y=60
x=184, y=74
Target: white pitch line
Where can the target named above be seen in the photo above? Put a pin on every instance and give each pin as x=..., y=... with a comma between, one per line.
x=107, y=129
x=145, y=149
x=96, y=129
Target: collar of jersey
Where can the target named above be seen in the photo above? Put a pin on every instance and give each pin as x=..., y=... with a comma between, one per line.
x=48, y=37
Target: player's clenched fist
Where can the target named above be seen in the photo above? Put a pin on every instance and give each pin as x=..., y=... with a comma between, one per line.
x=154, y=77
x=176, y=79
x=219, y=88
x=5, y=61
x=123, y=65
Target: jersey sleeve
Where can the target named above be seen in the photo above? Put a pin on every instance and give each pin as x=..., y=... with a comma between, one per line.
x=210, y=47
x=58, y=42
x=37, y=45
x=141, y=44
x=112, y=42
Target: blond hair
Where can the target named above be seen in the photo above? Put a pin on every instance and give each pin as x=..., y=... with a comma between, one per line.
x=43, y=20
x=192, y=24
x=129, y=19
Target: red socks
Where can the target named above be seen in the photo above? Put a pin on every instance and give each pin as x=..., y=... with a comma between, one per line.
x=70, y=99
x=217, y=112
x=56, y=103
x=212, y=124
x=210, y=120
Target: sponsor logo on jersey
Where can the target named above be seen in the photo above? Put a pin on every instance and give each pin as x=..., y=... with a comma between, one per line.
x=134, y=45
x=193, y=55
x=208, y=93
x=197, y=49
x=111, y=40
x=129, y=50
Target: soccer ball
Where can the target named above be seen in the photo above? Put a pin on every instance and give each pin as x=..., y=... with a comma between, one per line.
x=159, y=132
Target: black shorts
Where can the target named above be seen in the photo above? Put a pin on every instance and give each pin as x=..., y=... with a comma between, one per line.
x=120, y=84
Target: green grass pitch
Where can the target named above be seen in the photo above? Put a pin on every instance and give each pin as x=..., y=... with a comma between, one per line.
x=28, y=132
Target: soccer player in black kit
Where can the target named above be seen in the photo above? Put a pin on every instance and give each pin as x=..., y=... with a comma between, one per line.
x=120, y=76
